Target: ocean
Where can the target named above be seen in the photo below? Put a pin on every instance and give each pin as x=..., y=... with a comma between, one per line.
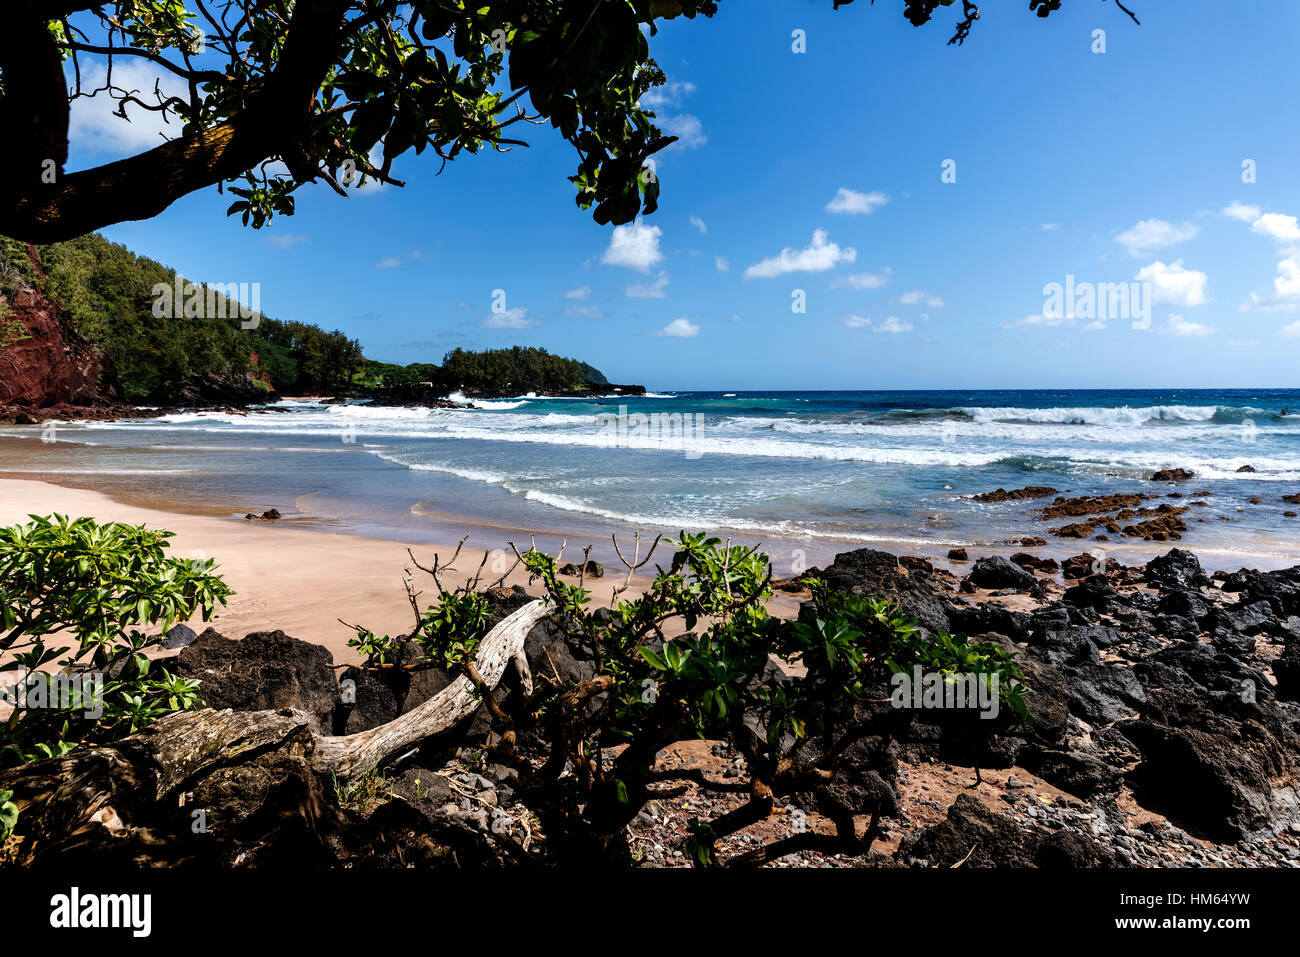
x=806, y=473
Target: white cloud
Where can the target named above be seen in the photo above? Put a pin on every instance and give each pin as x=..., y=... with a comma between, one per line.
x=699, y=224
x=655, y=290
x=670, y=94
x=856, y=204
x=679, y=329
x=1095, y=326
x=1178, y=326
x=371, y=186
x=578, y=292
x=1241, y=212
x=286, y=240
x=1287, y=283
x=634, y=246
x=1172, y=285
x=686, y=127
x=1292, y=331
x=1279, y=226
x=589, y=311
x=93, y=124
x=892, y=324
x=1152, y=234
x=1049, y=227
x=1037, y=319
x=866, y=280
x=722, y=262
x=392, y=262
x=818, y=257
x=920, y=295
x=510, y=319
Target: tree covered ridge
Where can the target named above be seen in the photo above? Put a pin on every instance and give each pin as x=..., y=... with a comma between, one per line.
x=107, y=293
x=514, y=370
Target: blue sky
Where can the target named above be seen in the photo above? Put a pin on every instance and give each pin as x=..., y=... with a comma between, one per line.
x=1107, y=166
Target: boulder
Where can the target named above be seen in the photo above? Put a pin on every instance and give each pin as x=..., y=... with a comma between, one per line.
x=877, y=574
x=1033, y=563
x=1177, y=568
x=1101, y=694
x=1075, y=772
x=998, y=572
x=1286, y=669
x=1184, y=604
x=979, y=837
x=1172, y=475
x=179, y=636
x=989, y=617
x=1095, y=595
x=266, y=670
x=1213, y=766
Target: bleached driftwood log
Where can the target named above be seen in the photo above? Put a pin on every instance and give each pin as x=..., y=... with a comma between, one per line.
x=84, y=791
x=354, y=753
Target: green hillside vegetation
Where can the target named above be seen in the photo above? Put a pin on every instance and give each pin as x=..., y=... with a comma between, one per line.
x=518, y=369
x=107, y=293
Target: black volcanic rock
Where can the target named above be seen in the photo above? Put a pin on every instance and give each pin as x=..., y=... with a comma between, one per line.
x=266, y=670
x=877, y=574
x=978, y=837
x=1177, y=567
x=998, y=572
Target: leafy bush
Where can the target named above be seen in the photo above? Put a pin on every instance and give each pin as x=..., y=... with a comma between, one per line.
x=76, y=594
x=890, y=638
x=8, y=815
x=800, y=701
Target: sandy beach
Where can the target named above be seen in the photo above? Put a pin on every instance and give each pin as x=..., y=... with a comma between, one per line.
x=297, y=580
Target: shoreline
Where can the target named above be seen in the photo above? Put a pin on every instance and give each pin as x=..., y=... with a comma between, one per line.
x=300, y=580
x=471, y=512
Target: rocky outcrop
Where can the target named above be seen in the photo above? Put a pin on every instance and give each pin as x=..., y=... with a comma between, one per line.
x=44, y=361
x=1002, y=495
x=878, y=574
x=975, y=836
x=998, y=572
x=266, y=670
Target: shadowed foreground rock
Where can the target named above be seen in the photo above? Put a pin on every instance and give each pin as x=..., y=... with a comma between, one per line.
x=254, y=787
x=974, y=836
x=267, y=670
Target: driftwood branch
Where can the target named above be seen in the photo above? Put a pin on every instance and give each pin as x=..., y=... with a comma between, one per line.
x=81, y=792
x=357, y=753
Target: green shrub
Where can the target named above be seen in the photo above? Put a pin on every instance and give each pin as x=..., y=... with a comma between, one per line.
x=76, y=594
x=800, y=727
x=8, y=815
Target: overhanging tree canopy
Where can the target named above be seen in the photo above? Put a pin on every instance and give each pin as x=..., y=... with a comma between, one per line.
x=336, y=90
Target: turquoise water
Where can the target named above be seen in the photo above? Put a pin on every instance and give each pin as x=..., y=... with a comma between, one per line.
x=823, y=468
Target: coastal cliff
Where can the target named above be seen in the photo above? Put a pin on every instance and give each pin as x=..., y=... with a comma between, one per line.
x=44, y=362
